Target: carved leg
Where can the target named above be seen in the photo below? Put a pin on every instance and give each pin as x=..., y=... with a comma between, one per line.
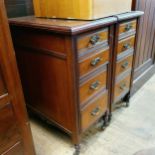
x=77, y=149
x=127, y=100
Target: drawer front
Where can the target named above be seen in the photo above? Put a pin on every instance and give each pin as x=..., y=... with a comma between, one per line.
x=127, y=27
x=94, y=111
x=122, y=86
x=126, y=44
x=9, y=133
x=93, y=62
x=92, y=40
x=92, y=86
x=124, y=65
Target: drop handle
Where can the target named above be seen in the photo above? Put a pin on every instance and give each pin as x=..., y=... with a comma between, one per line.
x=94, y=40
x=95, y=85
x=125, y=64
x=95, y=61
x=123, y=86
x=126, y=46
x=128, y=27
x=96, y=111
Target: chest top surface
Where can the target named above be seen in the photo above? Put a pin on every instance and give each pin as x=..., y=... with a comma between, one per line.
x=70, y=26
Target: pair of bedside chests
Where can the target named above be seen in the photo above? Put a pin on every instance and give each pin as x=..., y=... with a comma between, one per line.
x=73, y=72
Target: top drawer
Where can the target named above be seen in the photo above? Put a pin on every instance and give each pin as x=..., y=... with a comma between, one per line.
x=89, y=41
x=127, y=28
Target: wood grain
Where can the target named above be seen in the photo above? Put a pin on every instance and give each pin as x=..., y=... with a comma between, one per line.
x=79, y=9
x=122, y=87
x=84, y=43
x=92, y=62
x=127, y=27
x=126, y=42
x=94, y=110
x=14, y=123
x=85, y=89
x=146, y=39
x=124, y=65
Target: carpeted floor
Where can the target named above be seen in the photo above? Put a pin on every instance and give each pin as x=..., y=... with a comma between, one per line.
x=131, y=130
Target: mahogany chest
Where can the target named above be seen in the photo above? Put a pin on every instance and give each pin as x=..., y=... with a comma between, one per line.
x=73, y=71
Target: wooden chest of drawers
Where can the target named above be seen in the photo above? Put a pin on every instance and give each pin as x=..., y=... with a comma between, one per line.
x=123, y=59
x=66, y=68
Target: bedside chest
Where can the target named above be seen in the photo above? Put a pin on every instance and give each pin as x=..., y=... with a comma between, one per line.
x=67, y=68
x=123, y=57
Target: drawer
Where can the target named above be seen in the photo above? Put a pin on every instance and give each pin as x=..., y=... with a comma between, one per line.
x=126, y=44
x=127, y=27
x=94, y=111
x=122, y=87
x=90, y=41
x=92, y=86
x=9, y=133
x=94, y=61
x=124, y=65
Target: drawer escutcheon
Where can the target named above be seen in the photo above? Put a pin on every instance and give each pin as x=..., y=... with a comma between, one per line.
x=95, y=85
x=96, y=111
x=128, y=27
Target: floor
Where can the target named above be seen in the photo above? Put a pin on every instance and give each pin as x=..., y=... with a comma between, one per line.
x=131, y=130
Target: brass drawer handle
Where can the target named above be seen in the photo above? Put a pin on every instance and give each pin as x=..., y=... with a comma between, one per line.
x=95, y=112
x=125, y=65
x=94, y=40
x=95, y=85
x=128, y=27
x=123, y=86
x=95, y=61
x=126, y=46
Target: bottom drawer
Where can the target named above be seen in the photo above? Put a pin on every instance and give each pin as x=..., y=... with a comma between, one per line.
x=121, y=88
x=94, y=110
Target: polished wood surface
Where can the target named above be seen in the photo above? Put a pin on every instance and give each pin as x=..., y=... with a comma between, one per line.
x=92, y=40
x=128, y=27
x=126, y=44
x=145, y=56
x=94, y=110
x=10, y=133
x=124, y=65
x=124, y=58
x=93, y=86
x=78, y=9
x=56, y=87
x=14, y=128
x=62, y=26
x=90, y=63
x=17, y=149
x=122, y=87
